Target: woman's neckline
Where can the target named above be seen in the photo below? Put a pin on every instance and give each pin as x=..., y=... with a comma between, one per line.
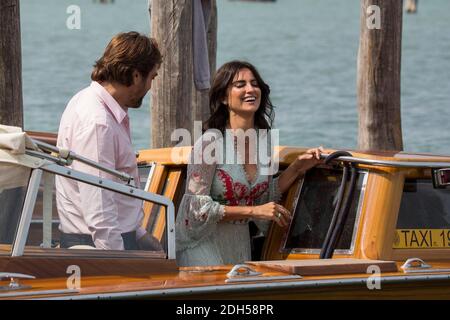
x=241, y=163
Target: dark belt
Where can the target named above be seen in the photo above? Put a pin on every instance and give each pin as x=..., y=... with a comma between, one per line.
x=73, y=239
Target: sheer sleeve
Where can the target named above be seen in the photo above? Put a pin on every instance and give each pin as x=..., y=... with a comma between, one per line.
x=198, y=213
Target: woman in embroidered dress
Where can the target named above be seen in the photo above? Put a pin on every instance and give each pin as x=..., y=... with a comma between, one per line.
x=220, y=198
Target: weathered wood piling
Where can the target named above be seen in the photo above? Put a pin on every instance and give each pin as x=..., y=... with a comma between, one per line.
x=11, y=112
x=176, y=102
x=378, y=80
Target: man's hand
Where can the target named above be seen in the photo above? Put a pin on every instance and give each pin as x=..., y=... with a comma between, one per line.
x=149, y=243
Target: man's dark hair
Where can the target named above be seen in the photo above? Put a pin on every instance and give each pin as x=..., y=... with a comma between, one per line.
x=125, y=53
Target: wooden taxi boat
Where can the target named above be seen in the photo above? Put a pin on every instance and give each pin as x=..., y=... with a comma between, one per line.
x=366, y=225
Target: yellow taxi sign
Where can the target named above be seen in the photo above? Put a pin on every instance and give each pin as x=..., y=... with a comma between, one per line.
x=421, y=238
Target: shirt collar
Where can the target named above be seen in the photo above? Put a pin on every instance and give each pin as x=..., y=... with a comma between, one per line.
x=118, y=112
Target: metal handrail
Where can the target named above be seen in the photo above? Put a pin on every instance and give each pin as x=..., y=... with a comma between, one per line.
x=66, y=157
x=390, y=163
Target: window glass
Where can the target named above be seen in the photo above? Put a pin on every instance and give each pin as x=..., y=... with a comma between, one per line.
x=424, y=216
x=315, y=207
x=424, y=207
x=144, y=172
x=43, y=231
x=13, y=187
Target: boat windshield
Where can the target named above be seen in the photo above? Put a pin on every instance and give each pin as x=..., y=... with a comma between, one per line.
x=314, y=207
x=58, y=212
x=13, y=188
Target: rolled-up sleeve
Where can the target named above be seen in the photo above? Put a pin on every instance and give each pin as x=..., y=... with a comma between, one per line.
x=95, y=142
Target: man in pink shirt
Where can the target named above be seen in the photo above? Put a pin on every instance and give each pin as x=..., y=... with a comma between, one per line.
x=96, y=125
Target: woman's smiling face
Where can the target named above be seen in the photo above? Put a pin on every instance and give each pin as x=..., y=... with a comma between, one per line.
x=244, y=94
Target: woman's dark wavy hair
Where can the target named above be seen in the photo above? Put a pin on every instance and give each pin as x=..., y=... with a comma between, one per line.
x=222, y=81
x=125, y=53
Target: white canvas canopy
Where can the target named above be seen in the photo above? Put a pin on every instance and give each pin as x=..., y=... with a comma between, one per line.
x=15, y=165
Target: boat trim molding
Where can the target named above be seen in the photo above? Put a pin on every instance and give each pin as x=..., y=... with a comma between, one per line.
x=229, y=288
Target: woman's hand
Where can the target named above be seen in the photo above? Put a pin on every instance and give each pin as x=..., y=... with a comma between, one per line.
x=307, y=160
x=298, y=167
x=273, y=211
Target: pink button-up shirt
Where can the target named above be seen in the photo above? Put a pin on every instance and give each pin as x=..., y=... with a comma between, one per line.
x=95, y=126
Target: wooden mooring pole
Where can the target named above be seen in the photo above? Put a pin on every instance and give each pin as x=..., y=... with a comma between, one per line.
x=176, y=102
x=10, y=64
x=378, y=80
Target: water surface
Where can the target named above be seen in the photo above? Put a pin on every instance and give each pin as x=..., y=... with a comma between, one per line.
x=305, y=49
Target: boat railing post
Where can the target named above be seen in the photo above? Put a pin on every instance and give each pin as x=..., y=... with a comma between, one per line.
x=47, y=209
x=171, y=231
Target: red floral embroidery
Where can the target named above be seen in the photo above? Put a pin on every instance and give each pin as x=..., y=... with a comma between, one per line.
x=228, y=183
x=236, y=191
x=195, y=183
x=256, y=192
x=240, y=190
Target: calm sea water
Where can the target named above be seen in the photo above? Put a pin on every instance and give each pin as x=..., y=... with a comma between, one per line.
x=305, y=49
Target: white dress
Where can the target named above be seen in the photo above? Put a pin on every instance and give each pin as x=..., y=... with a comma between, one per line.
x=201, y=237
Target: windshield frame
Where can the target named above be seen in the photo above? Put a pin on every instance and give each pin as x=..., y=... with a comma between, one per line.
x=19, y=245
